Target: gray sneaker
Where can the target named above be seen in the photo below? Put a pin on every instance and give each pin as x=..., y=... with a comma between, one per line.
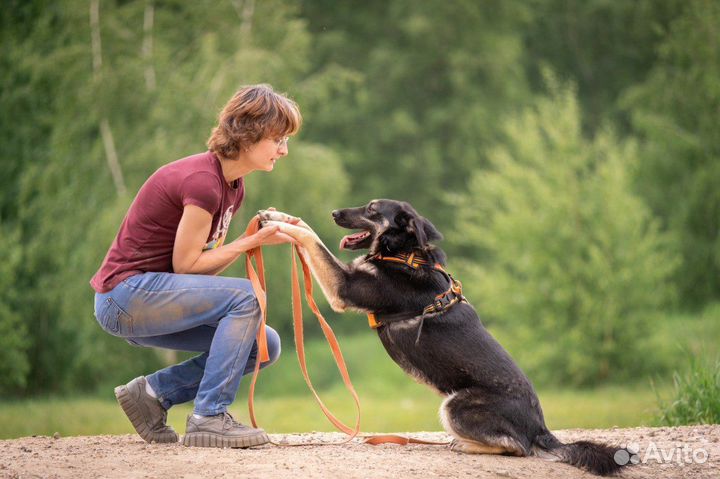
x=221, y=431
x=146, y=414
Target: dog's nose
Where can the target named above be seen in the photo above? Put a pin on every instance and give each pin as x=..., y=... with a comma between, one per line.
x=336, y=213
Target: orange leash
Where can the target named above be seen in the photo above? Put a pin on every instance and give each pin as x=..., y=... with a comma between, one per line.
x=400, y=440
x=258, y=283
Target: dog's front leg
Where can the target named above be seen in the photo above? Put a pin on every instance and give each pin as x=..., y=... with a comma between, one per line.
x=330, y=272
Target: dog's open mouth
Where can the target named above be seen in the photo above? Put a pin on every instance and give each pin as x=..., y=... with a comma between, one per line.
x=354, y=241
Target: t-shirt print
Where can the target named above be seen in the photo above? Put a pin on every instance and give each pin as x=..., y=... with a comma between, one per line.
x=221, y=231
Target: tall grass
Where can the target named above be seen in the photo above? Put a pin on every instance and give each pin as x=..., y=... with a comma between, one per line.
x=696, y=395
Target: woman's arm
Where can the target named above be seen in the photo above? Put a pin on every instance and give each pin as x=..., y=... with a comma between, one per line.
x=191, y=236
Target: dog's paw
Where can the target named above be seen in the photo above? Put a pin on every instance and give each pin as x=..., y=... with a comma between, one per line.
x=273, y=215
x=298, y=233
x=457, y=445
x=282, y=225
x=473, y=447
x=268, y=216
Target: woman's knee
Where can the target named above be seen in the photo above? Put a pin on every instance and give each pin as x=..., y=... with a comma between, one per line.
x=242, y=286
x=245, y=301
x=273, y=342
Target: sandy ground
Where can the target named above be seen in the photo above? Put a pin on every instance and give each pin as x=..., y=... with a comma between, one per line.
x=687, y=452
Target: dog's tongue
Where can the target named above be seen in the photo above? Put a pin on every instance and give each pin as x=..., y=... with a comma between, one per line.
x=353, y=238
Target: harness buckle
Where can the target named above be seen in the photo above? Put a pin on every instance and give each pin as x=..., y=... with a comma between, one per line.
x=372, y=321
x=410, y=259
x=455, y=286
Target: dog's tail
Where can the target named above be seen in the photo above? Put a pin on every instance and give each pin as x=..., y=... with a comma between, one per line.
x=593, y=457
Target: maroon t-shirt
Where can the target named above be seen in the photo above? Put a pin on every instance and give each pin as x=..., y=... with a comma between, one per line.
x=147, y=234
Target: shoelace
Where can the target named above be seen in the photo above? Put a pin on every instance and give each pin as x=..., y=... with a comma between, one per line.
x=229, y=422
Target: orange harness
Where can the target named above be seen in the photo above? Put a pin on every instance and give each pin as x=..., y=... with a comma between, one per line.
x=442, y=302
x=258, y=282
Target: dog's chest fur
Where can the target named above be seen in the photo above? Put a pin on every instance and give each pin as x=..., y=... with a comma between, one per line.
x=395, y=338
x=436, y=358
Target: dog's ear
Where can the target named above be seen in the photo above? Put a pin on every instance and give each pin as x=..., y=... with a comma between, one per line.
x=415, y=227
x=423, y=230
x=431, y=233
x=402, y=218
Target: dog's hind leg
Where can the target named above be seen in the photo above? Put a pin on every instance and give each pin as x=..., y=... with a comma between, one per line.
x=477, y=428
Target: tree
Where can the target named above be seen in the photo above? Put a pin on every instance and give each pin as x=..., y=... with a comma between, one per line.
x=567, y=262
x=14, y=342
x=602, y=46
x=431, y=80
x=677, y=113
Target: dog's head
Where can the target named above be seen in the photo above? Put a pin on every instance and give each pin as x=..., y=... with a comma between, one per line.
x=388, y=227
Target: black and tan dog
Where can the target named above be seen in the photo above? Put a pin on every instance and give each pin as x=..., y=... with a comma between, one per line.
x=434, y=334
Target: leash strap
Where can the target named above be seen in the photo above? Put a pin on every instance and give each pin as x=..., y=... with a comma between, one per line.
x=257, y=280
x=258, y=283
x=400, y=440
x=332, y=340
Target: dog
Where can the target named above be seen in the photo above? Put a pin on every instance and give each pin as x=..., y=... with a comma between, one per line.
x=433, y=333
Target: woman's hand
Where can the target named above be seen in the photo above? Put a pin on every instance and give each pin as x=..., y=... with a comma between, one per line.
x=270, y=235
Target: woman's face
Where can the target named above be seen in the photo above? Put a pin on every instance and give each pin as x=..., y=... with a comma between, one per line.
x=263, y=154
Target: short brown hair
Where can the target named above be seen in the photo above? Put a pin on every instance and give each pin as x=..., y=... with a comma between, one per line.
x=253, y=113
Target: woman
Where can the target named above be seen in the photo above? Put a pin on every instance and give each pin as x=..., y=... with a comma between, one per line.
x=158, y=286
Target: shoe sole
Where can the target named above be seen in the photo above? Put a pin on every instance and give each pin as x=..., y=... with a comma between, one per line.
x=127, y=403
x=208, y=439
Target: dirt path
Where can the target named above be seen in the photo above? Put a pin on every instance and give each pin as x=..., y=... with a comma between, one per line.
x=129, y=457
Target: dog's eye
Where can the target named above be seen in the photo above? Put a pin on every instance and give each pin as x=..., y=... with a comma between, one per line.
x=371, y=208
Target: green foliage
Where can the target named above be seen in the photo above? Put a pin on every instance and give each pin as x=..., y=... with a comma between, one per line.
x=696, y=395
x=428, y=96
x=675, y=335
x=676, y=112
x=14, y=365
x=572, y=263
x=401, y=99
x=602, y=46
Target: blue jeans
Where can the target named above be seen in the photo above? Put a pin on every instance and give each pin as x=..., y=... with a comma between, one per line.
x=214, y=315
